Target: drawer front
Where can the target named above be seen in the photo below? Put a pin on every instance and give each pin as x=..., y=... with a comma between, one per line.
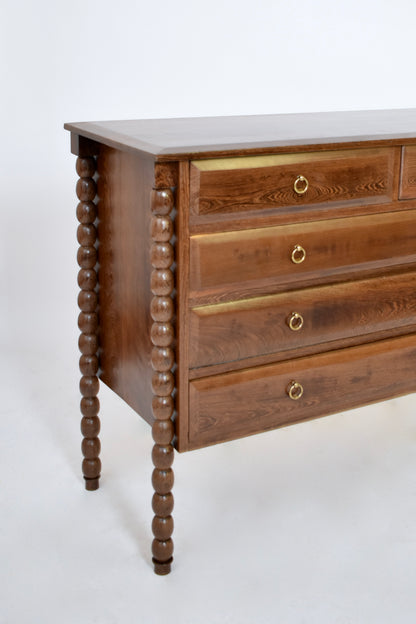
x=230, y=185
x=230, y=264
x=408, y=173
x=232, y=405
x=264, y=325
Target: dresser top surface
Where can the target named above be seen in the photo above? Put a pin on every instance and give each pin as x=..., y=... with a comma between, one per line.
x=182, y=138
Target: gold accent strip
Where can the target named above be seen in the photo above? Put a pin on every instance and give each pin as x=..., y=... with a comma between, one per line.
x=252, y=162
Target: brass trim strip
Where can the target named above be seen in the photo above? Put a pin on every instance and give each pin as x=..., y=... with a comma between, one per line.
x=253, y=162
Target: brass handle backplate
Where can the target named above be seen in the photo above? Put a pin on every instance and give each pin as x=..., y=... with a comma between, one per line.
x=300, y=185
x=294, y=390
x=298, y=254
x=295, y=321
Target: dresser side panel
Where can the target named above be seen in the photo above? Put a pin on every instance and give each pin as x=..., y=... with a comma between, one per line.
x=124, y=182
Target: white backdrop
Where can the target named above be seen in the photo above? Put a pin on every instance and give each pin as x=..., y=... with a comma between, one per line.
x=86, y=60
x=100, y=59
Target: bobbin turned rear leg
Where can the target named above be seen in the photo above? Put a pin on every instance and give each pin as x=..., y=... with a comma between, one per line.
x=163, y=383
x=88, y=320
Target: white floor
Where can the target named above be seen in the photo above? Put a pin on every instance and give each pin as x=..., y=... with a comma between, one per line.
x=310, y=524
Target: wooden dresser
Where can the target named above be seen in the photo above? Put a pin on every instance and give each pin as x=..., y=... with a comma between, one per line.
x=239, y=274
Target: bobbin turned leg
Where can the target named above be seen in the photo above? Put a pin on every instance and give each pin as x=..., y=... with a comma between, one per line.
x=163, y=361
x=88, y=321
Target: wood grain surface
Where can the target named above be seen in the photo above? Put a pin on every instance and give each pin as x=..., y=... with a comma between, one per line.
x=208, y=137
x=245, y=329
x=408, y=173
x=238, y=185
x=233, y=405
x=182, y=303
x=124, y=187
x=225, y=266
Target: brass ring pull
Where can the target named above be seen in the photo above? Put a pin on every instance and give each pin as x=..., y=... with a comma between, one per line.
x=295, y=321
x=294, y=390
x=298, y=254
x=300, y=185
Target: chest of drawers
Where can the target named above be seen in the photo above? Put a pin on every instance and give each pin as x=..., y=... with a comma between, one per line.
x=244, y=273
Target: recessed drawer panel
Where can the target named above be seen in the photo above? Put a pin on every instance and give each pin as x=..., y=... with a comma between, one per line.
x=232, y=405
x=408, y=174
x=230, y=185
x=229, y=264
x=227, y=332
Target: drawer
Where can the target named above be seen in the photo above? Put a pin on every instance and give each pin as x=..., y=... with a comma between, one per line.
x=408, y=173
x=232, y=185
x=232, y=405
x=234, y=264
x=227, y=332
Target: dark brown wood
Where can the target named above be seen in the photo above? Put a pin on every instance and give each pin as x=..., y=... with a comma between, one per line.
x=303, y=351
x=166, y=175
x=200, y=137
x=408, y=173
x=239, y=185
x=219, y=300
x=88, y=321
x=82, y=146
x=226, y=407
x=240, y=330
x=124, y=186
x=231, y=222
x=182, y=320
x=225, y=266
x=162, y=309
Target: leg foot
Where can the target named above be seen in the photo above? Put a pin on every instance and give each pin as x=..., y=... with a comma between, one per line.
x=92, y=484
x=162, y=567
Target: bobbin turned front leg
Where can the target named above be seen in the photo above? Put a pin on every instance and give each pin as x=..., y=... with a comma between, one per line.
x=88, y=321
x=163, y=360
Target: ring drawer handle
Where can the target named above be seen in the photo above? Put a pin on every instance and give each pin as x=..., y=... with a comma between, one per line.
x=300, y=185
x=298, y=254
x=295, y=390
x=295, y=321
